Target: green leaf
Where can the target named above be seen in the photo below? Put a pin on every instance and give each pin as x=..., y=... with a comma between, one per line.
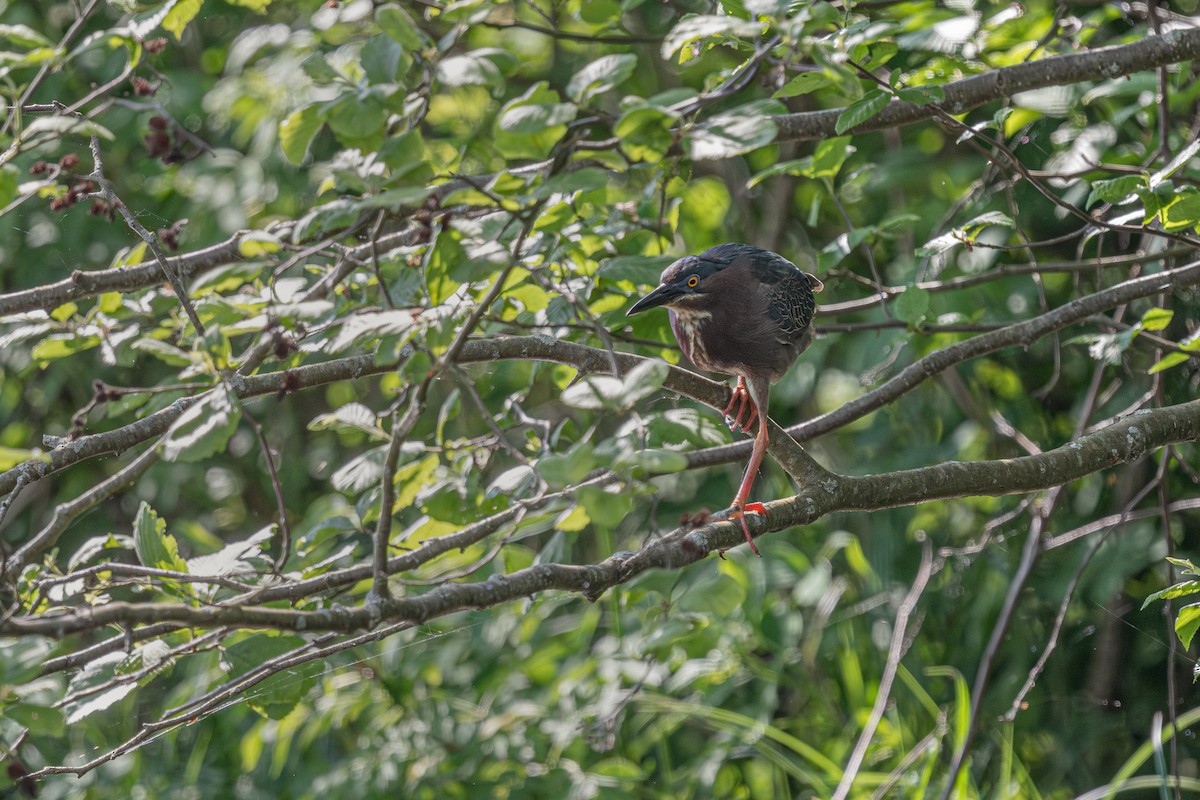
x=24, y=36
x=1182, y=589
x=645, y=134
x=40, y=720
x=332, y=216
x=167, y=353
x=1116, y=190
x=640, y=270
x=370, y=326
x=712, y=593
x=601, y=75
x=64, y=312
x=922, y=95
x=63, y=126
x=1155, y=319
x=298, y=130
x=10, y=180
x=564, y=469
x=536, y=117
x=705, y=26
x=11, y=456
x=258, y=243
x=976, y=225
x=606, y=509
x=739, y=130
x=647, y=462
x=471, y=69
x=862, y=110
x=154, y=546
x=355, y=416
x=381, y=58
x=530, y=125
x=279, y=693
x=179, y=14
x=1186, y=623
x=61, y=345
x=1183, y=212
x=912, y=305
x=397, y=25
x=87, y=688
x=643, y=380
x=1168, y=361
x=829, y=157
x=804, y=83
x=594, y=392
x=204, y=429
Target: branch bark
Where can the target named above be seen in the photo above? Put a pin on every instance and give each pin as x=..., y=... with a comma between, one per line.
x=1122, y=442
x=961, y=96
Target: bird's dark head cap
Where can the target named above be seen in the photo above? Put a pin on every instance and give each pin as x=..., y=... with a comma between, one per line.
x=681, y=282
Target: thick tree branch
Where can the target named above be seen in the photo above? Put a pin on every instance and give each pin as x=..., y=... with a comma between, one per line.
x=961, y=96
x=1123, y=442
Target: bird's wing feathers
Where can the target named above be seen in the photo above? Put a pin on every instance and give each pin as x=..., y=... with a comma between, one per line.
x=790, y=302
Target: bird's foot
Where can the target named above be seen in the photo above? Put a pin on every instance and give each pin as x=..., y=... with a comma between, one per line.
x=744, y=403
x=739, y=513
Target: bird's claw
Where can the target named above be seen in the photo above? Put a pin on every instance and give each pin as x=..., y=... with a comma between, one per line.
x=739, y=513
x=745, y=403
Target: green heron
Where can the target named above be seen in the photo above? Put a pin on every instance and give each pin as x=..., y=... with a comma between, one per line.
x=744, y=311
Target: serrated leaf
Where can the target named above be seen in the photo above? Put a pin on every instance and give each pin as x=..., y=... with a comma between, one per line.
x=862, y=110
x=279, y=693
x=1182, y=589
x=154, y=546
x=352, y=415
x=204, y=429
x=1118, y=191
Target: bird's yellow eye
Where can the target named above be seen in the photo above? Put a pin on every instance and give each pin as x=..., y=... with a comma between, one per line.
x=693, y=281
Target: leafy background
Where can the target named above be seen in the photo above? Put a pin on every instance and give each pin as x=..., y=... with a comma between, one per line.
x=401, y=183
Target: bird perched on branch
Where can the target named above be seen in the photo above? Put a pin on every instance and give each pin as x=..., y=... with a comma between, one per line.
x=740, y=310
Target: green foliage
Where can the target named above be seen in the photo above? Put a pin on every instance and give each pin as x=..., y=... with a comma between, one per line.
x=372, y=191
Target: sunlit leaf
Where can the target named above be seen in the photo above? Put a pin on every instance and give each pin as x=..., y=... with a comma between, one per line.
x=205, y=428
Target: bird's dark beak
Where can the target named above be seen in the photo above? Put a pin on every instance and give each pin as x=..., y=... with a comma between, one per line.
x=659, y=297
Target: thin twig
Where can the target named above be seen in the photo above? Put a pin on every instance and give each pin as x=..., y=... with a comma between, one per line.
x=151, y=240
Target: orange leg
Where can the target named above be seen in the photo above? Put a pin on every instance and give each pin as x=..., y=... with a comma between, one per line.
x=758, y=396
